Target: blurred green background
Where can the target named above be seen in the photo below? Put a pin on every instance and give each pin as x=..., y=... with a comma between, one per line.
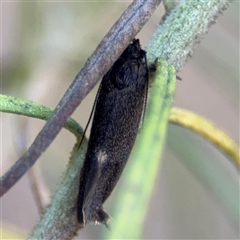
x=45, y=44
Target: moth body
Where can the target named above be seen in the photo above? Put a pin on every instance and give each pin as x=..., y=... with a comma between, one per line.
x=119, y=106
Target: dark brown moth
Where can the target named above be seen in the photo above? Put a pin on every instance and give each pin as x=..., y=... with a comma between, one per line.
x=119, y=108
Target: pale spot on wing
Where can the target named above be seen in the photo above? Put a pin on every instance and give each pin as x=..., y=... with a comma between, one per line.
x=102, y=157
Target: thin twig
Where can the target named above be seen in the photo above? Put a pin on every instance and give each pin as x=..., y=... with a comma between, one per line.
x=208, y=130
x=109, y=49
x=40, y=190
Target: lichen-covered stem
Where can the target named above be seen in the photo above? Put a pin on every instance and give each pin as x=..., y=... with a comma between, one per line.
x=185, y=26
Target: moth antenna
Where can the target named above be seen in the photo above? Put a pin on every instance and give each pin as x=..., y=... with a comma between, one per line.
x=146, y=95
x=91, y=114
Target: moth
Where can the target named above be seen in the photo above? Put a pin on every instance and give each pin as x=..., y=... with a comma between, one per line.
x=119, y=107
